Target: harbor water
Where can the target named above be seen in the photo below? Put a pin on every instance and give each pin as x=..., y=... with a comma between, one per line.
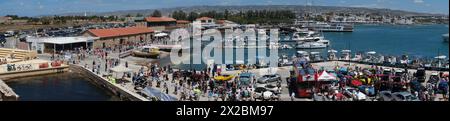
x=67, y=86
x=416, y=41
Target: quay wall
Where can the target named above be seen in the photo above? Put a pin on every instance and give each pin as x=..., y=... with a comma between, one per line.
x=6, y=93
x=34, y=72
x=119, y=91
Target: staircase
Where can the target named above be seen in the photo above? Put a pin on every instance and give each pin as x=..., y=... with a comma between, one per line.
x=20, y=55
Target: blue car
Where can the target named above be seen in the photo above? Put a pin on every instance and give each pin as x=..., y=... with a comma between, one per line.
x=370, y=90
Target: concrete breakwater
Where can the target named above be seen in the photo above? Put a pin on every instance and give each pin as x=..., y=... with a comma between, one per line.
x=6, y=93
x=117, y=90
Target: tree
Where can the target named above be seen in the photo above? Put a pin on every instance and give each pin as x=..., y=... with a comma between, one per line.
x=192, y=16
x=226, y=14
x=139, y=15
x=156, y=13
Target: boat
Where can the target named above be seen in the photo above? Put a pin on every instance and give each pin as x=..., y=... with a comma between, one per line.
x=147, y=51
x=315, y=56
x=303, y=54
x=332, y=55
x=445, y=36
x=329, y=27
x=286, y=46
x=310, y=45
x=284, y=61
x=345, y=55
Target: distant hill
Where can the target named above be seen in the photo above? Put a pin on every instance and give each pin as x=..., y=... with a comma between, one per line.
x=296, y=8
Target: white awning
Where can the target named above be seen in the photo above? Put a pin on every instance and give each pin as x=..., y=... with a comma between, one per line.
x=62, y=40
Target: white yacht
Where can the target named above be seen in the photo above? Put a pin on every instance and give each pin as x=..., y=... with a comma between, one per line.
x=310, y=45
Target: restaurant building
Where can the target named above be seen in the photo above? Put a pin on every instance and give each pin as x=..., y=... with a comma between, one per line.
x=119, y=36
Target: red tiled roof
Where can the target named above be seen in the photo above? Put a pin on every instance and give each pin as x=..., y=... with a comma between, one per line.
x=159, y=19
x=115, y=32
x=204, y=18
x=183, y=21
x=220, y=21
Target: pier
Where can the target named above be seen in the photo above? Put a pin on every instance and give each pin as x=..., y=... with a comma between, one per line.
x=118, y=90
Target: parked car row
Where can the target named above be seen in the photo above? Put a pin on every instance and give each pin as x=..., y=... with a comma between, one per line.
x=268, y=87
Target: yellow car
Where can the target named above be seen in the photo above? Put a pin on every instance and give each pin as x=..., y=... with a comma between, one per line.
x=224, y=77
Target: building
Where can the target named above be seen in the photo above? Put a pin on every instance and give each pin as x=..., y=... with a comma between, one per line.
x=160, y=23
x=57, y=44
x=207, y=22
x=183, y=23
x=4, y=20
x=119, y=36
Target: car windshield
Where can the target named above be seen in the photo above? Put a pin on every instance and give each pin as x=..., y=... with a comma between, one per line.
x=400, y=96
x=270, y=86
x=387, y=95
x=260, y=89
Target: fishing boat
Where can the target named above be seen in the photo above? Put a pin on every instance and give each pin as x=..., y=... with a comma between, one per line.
x=147, y=51
x=310, y=45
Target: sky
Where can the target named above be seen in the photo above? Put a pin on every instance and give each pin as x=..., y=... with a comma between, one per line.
x=50, y=7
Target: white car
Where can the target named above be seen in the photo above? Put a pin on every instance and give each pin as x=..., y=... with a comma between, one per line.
x=273, y=88
x=386, y=96
x=259, y=92
x=267, y=95
x=361, y=96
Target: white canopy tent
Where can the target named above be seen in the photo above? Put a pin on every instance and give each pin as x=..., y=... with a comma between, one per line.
x=120, y=69
x=325, y=76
